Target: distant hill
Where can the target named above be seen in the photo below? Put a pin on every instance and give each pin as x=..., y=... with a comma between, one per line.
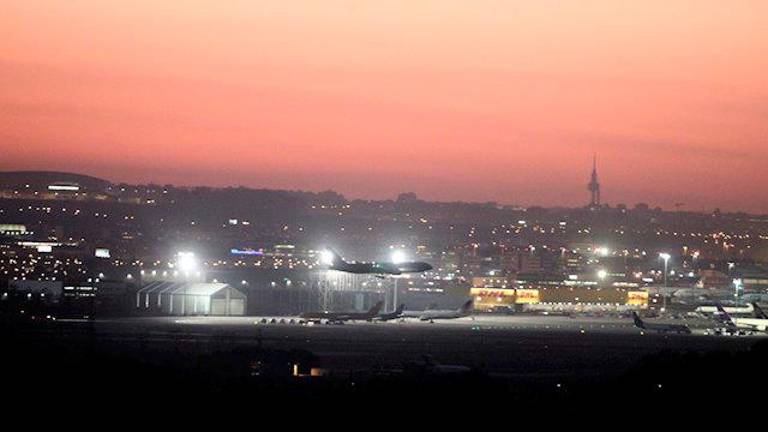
x=41, y=180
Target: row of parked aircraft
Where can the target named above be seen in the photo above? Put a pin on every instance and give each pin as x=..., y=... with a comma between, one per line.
x=759, y=322
x=733, y=325
x=374, y=314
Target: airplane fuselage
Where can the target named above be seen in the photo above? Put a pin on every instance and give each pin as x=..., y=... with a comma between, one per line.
x=433, y=315
x=333, y=316
x=381, y=268
x=343, y=316
x=757, y=324
x=661, y=328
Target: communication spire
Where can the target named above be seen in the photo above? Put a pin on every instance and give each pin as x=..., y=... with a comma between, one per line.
x=594, y=186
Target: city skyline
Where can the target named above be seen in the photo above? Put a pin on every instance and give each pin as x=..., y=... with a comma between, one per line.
x=453, y=101
x=594, y=201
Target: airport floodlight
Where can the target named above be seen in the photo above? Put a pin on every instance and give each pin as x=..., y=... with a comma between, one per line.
x=602, y=274
x=398, y=257
x=326, y=257
x=665, y=256
x=186, y=261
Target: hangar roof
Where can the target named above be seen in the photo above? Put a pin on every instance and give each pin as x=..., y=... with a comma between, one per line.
x=187, y=288
x=198, y=288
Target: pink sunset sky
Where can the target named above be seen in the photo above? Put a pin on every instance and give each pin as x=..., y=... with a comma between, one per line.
x=454, y=100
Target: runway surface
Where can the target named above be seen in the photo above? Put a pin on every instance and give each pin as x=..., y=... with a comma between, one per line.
x=520, y=346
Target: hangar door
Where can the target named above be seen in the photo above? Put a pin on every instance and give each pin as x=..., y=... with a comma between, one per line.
x=228, y=301
x=219, y=307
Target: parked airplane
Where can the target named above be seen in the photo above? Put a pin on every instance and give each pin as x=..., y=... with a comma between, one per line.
x=341, y=317
x=754, y=297
x=759, y=311
x=658, y=327
x=397, y=313
x=334, y=261
x=698, y=296
x=735, y=309
x=433, y=314
x=752, y=324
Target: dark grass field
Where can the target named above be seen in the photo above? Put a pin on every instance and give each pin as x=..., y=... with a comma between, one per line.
x=533, y=362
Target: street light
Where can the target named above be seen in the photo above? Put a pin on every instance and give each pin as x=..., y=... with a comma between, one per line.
x=602, y=274
x=602, y=251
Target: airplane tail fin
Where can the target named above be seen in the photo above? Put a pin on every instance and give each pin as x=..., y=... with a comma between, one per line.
x=759, y=311
x=373, y=311
x=466, y=307
x=725, y=315
x=638, y=322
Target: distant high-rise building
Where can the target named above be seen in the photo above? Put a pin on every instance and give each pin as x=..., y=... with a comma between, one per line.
x=594, y=186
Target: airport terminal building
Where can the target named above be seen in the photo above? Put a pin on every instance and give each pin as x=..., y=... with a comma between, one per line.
x=494, y=294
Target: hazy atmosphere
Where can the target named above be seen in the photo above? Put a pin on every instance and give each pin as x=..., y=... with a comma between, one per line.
x=370, y=208
x=454, y=100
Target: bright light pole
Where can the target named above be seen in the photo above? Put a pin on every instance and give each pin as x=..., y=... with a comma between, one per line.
x=398, y=257
x=737, y=287
x=665, y=256
x=394, y=296
x=187, y=262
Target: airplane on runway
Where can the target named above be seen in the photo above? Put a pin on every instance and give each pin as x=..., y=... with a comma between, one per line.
x=750, y=324
x=341, y=317
x=397, y=313
x=334, y=261
x=433, y=314
x=661, y=328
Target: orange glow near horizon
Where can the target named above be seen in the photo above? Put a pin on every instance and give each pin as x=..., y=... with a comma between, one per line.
x=452, y=99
